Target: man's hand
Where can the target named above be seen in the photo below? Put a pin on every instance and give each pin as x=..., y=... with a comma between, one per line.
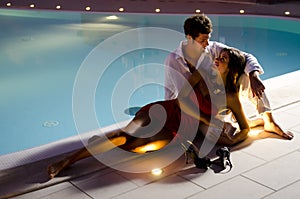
x=257, y=86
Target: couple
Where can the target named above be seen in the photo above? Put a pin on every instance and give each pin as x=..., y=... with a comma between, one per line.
x=185, y=99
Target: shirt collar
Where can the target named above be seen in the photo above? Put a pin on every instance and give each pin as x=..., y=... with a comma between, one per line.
x=178, y=51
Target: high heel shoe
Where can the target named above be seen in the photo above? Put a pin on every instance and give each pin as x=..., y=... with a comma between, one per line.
x=193, y=152
x=224, y=157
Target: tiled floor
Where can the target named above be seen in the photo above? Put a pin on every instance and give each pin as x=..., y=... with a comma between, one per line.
x=264, y=166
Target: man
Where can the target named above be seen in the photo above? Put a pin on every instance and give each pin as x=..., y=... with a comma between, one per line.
x=185, y=59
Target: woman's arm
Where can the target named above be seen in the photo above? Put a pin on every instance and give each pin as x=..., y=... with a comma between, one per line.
x=234, y=104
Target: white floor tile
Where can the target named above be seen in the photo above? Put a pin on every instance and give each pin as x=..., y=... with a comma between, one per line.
x=62, y=190
x=141, y=179
x=279, y=99
x=285, y=120
x=296, y=129
x=241, y=162
x=237, y=187
x=169, y=187
x=292, y=192
x=278, y=173
x=104, y=186
x=287, y=84
x=272, y=148
x=293, y=109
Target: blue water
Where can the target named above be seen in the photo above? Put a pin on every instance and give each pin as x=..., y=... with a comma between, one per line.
x=43, y=53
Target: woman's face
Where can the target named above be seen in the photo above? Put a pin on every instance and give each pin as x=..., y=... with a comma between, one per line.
x=221, y=63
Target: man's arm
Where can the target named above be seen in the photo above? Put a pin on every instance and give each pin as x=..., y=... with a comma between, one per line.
x=195, y=80
x=180, y=80
x=252, y=64
x=253, y=68
x=257, y=86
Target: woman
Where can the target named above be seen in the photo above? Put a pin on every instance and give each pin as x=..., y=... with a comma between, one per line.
x=154, y=124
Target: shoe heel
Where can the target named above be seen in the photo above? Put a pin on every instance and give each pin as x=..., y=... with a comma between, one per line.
x=193, y=151
x=224, y=157
x=189, y=152
x=186, y=154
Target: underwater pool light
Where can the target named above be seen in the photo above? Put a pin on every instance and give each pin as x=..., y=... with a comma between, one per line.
x=157, y=171
x=112, y=17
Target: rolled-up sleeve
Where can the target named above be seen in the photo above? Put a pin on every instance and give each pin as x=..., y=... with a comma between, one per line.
x=252, y=64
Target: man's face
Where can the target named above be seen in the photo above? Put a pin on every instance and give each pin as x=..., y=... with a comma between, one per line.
x=203, y=39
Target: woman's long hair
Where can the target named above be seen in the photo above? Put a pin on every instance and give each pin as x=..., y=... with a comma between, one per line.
x=236, y=66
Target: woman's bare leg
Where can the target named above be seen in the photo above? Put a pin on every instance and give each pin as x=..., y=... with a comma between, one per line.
x=118, y=138
x=93, y=148
x=98, y=145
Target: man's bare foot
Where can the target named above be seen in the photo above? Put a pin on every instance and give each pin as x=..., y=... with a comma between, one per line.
x=55, y=168
x=271, y=126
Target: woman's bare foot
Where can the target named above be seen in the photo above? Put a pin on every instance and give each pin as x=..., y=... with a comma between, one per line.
x=55, y=168
x=271, y=126
x=255, y=122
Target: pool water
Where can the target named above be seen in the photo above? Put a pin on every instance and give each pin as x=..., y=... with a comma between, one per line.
x=47, y=57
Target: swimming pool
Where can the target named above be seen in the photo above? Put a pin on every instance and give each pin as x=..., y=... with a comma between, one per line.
x=44, y=53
